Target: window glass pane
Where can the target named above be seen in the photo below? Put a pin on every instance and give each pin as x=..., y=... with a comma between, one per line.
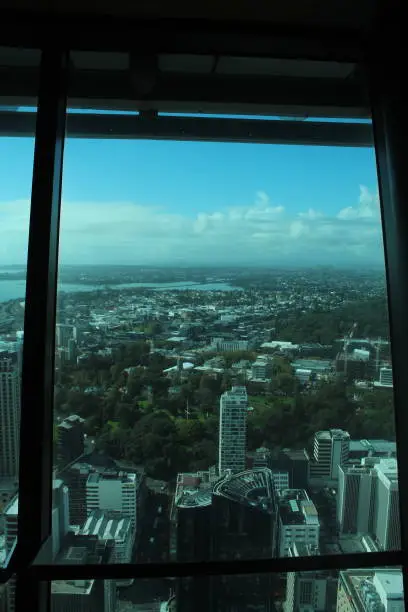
x=223, y=371
x=16, y=154
x=324, y=591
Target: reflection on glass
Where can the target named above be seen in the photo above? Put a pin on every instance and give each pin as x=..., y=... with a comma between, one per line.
x=15, y=176
x=224, y=382
x=319, y=591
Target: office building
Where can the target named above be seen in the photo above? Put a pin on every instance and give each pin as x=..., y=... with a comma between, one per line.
x=113, y=490
x=10, y=382
x=298, y=520
x=219, y=344
x=111, y=526
x=296, y=464
x=244, y=526
x=379, y=590
x=309, y=590
x=372, y=448
x=387, y=516
x=262, y=368
x=386, y=377
x=245, y=515
x=280, y=480
x=355, y=499
x=232, y=430
x=330, y=450
x=75, y=476
x=86, y=595
x=3, y=598
x=260, y=458
x=70, y=439
x=191, y=537
x=63, y=334
x=59, y=514
x=10, y=533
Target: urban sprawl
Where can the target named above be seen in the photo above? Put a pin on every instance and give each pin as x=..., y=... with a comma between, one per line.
x=220, y=414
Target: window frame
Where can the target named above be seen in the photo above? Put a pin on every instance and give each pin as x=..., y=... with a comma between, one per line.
x=29, y=561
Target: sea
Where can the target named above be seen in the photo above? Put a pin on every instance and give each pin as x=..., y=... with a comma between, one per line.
x=15, y=289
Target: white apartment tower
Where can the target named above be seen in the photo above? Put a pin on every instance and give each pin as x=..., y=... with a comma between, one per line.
x=330, y=450
x=113, y=491
x=9, y=414
x=387, y=517
x=232, y=432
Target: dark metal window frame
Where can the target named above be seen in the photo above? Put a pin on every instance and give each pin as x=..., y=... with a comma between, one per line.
x=30, y=562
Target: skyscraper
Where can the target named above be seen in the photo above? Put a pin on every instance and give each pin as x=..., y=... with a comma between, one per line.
x=70, y=443
x=315, y=591
x=115, y=491
x=9, y=414
x=330, y=450
x=84, y=595
x=387, y=517
x=191, y=538
x=232, y=432
x=244, y=526
x=355, y=499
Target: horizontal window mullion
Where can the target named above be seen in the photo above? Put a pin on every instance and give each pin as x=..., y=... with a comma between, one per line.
x=199, y=128
x=216, y=568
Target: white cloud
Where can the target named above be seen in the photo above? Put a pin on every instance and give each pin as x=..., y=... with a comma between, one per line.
x=368, y=206
x=259, y=233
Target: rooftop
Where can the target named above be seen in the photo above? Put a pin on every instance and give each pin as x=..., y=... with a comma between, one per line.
x=71, y=587
x=252, y=487
x=124, y=477
x=390, y=582
x=330, y=434
x=106, y=525
x=192, y=491
x=295, y=507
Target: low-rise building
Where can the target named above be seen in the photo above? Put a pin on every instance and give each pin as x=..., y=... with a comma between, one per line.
x=298, y=520
x=378, y=590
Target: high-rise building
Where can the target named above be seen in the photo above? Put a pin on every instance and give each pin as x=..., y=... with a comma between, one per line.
x=191, y=538
x=368, y=501
x=362, y=590
x=75, y=476
x=330, y=450
x=115, y=491
x=84, y=595
x=111, y=526
x=244, y=526
x=10, y=382
x=355, y=499
x=10, y=532
x=232, y=432
x=309, y=590
x=70, y=439
x=387, y=517
x=386, y=379
x=64, y=333
x=296, y=464
x=59, y=514
x=298, y=520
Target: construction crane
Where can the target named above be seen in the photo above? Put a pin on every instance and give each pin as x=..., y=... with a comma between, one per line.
x=346, y=342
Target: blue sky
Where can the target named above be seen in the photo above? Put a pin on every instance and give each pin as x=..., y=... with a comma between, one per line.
x=160, y=202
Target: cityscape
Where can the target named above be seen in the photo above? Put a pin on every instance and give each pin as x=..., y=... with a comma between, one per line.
x=213, y=413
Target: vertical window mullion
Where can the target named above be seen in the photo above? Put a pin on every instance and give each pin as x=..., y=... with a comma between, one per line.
x=390, y=136
x=34, y=512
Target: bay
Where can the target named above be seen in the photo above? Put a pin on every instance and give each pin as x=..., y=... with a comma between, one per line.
x=15, y=289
